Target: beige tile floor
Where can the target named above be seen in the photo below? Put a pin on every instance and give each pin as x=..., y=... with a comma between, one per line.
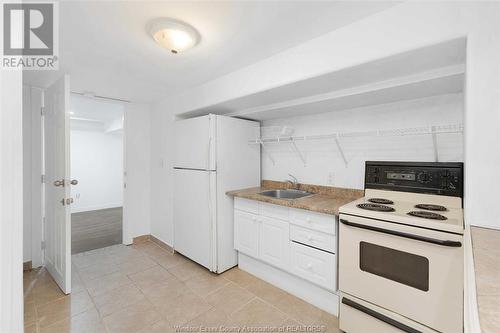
x=486, y=245
x=143, y=288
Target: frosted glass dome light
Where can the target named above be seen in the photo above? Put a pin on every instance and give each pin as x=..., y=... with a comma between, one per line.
x=175, y=36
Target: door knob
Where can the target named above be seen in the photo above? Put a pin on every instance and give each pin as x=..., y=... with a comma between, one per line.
x=74, y=182
x=59, y=183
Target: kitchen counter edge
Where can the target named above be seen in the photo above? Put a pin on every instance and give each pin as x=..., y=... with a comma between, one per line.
x=321, y=203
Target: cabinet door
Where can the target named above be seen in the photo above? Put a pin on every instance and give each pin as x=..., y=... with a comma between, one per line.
x=246, y=233
x=274, y=241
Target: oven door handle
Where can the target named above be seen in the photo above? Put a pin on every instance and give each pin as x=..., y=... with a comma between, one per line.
x=449, y=243
x=379, y=316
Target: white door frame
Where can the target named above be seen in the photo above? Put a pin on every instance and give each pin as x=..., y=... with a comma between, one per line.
x=126, y=232
x=37, y=171
x=126, y=225
x=37, y=153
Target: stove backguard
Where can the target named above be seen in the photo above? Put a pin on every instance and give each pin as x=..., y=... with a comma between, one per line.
x=440, y=178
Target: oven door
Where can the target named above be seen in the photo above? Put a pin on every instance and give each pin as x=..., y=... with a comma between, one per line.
x=415, y=272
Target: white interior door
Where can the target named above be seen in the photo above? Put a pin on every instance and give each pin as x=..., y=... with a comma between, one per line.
x=57, y=227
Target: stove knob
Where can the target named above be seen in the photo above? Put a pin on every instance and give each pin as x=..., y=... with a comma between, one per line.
x=423, y=177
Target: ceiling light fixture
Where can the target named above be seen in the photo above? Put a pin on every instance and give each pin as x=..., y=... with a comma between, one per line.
x=173, y=35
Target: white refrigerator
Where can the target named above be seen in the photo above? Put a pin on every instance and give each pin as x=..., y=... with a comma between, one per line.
x=212, y=156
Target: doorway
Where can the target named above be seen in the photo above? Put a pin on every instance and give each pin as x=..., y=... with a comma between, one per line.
x=96, y=144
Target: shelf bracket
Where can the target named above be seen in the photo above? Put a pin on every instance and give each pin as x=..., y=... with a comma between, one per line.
x=297, y=151
x=434, y=143
x=264, y=150
x=341, y=151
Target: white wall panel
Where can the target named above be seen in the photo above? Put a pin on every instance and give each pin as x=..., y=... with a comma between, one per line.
x=97, y=164
x=11, y=202
x=137, y=194
x=162, y=152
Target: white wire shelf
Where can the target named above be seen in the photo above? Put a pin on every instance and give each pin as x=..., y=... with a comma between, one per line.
x=424, y=130
x=433, y=130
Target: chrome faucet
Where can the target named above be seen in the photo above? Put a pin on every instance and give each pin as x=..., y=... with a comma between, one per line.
x=294, y=182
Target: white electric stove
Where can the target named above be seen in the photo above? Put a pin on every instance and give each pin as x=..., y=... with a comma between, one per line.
x=401, y=250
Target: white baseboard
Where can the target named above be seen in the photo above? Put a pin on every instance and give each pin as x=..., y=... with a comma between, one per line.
x=322, y=298
x=486, y=224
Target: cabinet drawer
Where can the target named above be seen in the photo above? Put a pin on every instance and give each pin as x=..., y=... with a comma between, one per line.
x=313, y=238
x=246, y=205
x=274, y=211
x=313, y=220
x=313, y=265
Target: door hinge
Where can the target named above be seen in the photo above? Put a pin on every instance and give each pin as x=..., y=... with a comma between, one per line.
x=43, y=245
x=43, y=179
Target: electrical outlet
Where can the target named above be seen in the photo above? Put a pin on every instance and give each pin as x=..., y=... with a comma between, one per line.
x=331, y=178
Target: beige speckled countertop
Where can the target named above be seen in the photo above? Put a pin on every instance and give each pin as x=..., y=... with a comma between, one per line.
x=486, y=249
x=325, y=200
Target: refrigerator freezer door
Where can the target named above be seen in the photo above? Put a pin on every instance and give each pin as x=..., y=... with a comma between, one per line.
x=195, y=143
x=194, y=216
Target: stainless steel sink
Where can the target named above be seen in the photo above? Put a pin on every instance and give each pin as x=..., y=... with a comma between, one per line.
x=286, y=194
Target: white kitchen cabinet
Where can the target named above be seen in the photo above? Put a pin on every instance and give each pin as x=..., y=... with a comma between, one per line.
x=314, y=265
x=246, y=233
x=316, y=239
x=312, y=220
x=246, y=205
x=297, y=241
x=274, y=241
x=274, y=211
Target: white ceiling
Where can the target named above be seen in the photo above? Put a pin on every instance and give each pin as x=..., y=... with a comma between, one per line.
x=92, y=114
x=105, y=48
x=95, y=109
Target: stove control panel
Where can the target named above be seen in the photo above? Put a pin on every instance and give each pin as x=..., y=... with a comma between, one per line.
x=419, y=177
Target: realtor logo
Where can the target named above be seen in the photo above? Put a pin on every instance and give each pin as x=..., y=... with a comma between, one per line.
x=29, y=35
